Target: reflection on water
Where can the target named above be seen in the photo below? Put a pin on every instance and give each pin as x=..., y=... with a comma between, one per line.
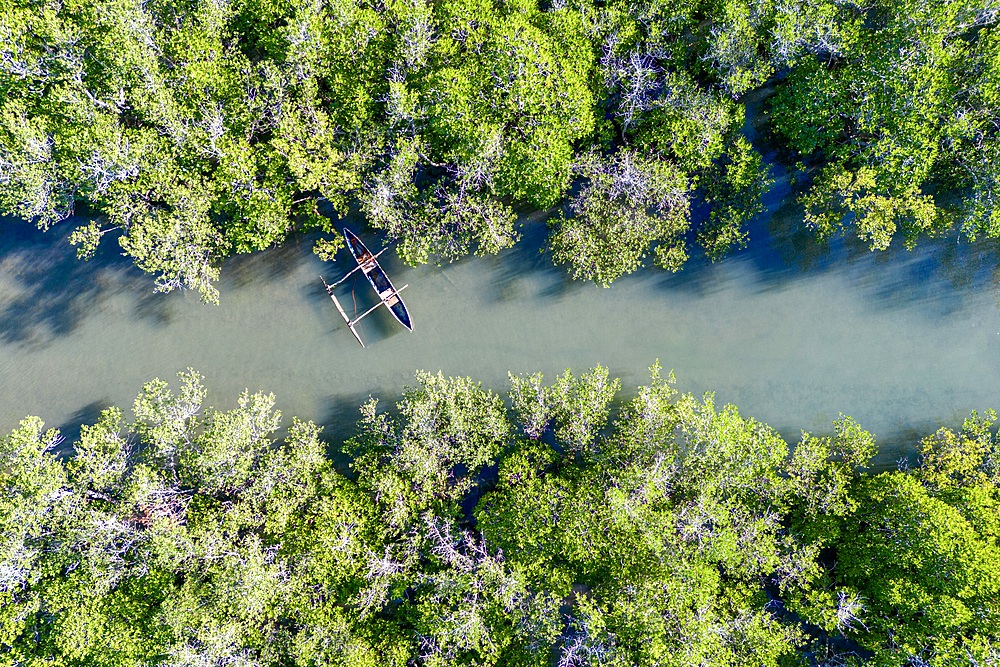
x=792, y=332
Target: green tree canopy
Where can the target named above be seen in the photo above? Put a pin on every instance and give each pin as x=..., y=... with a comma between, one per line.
x=197, y=130
x=657, y=530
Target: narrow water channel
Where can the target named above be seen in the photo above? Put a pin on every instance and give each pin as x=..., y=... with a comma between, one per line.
x=792, y=332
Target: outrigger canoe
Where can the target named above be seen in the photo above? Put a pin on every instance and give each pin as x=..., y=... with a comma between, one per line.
x=377, y=277
x=388, y=295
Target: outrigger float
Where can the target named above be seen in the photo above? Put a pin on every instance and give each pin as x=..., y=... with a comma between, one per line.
x=387, y=294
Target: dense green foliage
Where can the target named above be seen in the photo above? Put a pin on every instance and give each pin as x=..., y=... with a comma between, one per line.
x=193, y=130
x=899, y=111
x=664, y=531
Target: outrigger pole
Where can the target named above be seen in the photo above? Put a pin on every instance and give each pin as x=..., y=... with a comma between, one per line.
x=388, y=295
x=348, y=274
x=343, y=313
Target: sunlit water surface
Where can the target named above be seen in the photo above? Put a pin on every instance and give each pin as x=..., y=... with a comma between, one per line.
x=792, y=332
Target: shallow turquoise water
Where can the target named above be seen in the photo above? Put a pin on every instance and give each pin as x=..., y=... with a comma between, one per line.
x=792, y=332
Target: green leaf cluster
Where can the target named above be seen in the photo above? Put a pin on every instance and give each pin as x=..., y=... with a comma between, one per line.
x=889, y=111
x=191, y=131
x=582, y=530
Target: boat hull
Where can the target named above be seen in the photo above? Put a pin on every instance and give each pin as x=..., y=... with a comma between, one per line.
x=378, y=279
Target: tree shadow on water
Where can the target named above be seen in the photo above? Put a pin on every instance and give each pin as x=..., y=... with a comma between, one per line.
x=72, y=427
x=932, y=274
x=155, y=307
x=339, y=424
x=530, y=259
x=936, y=275
x=247, y=270
x=316, y=296
x=47, y=292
